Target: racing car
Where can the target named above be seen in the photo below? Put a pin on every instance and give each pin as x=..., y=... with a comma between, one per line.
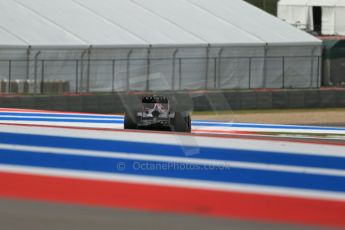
x=156, y=114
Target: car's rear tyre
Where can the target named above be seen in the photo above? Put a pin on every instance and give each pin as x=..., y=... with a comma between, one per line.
x=130, y=120
x=182, y=122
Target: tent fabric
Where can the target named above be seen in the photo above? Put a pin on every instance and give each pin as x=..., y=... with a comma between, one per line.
x=120, y=45
x=140, y=22
x=300, y=14
x=312, y=2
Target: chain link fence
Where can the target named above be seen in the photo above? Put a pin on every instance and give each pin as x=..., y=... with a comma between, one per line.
x=57, y=76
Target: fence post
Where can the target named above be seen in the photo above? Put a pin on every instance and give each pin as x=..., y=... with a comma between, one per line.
x=173, y=70
x=42, y=77
x=88, y=69
x=28, y=52
x=283, y=59
x=128, y=68
x=312, y=72
x=35, y=71
x=250, y=73
x=180, y=73
x=219, y=67
x=9, y=76
x=207, y=67
x=113, y=76
x=265, y=65
x=76, y=75
x=82, y=70
x=215, y=74
x=318, y=72
x=35, y=76
x=148, y=68
x=312, y=67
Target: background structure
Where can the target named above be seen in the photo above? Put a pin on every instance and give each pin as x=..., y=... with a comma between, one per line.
x=150, y=45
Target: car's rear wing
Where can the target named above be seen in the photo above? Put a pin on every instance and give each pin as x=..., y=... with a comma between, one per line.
x=155, y=99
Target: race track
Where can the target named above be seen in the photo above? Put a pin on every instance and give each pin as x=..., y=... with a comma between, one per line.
x=222, y=170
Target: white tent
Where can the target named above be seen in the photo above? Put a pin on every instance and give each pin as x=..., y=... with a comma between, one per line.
x=304, y=14
x=102, y=45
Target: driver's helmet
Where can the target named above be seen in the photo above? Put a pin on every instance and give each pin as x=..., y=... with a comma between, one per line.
x=158, y=107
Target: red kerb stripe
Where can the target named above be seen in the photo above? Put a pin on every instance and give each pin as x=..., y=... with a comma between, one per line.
x=173, y=199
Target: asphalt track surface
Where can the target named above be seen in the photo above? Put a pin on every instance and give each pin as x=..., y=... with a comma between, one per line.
x=29, y=215
x=77, y=171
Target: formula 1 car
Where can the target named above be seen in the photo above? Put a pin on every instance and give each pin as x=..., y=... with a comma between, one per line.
x=156, y=114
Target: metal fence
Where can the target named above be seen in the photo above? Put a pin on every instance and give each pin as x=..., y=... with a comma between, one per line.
x=56, y=76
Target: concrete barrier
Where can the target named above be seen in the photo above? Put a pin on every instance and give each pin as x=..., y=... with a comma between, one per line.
x=233, y=100
x=59, y=103
x=264, y=100
x=75, y=103
x=198, y=101
x=248, y=100
x=26, y=102
x=9, y=102
x=296, y=99
x=328, y=99
x=311, y=99
x=218, y=101
x=280, y=100
x=340, y=94
x=90, y=104
x=105, y=103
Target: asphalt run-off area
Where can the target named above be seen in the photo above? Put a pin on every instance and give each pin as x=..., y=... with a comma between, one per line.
x=273, y=175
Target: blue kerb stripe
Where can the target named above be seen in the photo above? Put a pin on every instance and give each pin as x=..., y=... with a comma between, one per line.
x=175, y=150
x=180, y=171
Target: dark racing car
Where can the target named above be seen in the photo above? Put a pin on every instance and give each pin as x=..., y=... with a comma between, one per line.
x=156, y=114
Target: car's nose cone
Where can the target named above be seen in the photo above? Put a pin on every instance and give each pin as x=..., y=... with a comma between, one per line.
x=155, y=113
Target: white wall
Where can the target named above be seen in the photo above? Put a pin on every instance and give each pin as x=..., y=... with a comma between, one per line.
x=294, y=15
x=301, y=15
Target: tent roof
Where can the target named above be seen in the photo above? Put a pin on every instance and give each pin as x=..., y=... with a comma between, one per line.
x=122, y=23
x=313, y=2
